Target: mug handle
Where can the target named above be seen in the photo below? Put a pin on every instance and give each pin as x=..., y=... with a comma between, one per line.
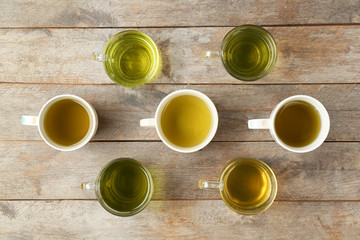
x=259, y=124
x=148, y=122
x=30, y=120
x=211, y=185
x=211, y=54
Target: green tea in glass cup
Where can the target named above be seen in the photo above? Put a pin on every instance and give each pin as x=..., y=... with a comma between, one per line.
x=123, y=187
x=131, y=58
x=247, y=52
x=247, y=186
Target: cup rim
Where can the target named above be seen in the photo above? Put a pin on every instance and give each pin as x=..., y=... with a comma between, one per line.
x=272, y=176
x=214, y=118
x=91, y=131
x=142, y=206
x=268, y=37
x=324, y=130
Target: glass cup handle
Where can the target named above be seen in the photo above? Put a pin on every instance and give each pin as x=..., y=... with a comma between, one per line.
x=211, y=54
x=259, y=124
x=99, y=57
x=211, y=185
x=89, y=186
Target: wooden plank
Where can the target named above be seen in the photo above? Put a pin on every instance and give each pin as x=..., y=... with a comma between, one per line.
x=120, y=109
x=32, y=170
x=178, y=220
x=321, y=54
x=136, y=13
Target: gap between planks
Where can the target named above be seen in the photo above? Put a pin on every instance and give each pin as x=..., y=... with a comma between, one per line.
x=194, y=26
x=184, y=84
x=174, y=199
x=142, y=141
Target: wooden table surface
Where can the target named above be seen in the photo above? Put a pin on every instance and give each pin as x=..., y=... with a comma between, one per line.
x=46, y=49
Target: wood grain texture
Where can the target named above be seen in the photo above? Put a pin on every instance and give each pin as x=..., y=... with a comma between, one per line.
x=32, y=170
x=310, y=54
x=46, y=50
x=25, y=13
x=120, y=109
x=178, y=220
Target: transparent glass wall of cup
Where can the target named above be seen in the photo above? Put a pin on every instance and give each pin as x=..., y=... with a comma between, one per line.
x=270, y=123
x=156, y=122
x=131, y=58
x=222, y=183
x=248, y=52
x=39, y=122
x=104, y=200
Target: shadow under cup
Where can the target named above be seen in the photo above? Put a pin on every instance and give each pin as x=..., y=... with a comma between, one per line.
x=248, y=52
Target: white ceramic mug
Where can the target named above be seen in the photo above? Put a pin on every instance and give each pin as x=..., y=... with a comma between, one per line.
x=156, y=122
x=270, y=124
x=39, y=122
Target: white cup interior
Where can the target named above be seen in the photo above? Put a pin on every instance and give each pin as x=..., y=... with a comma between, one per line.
x=324, y=129
x=214, y=120
x=92, y=126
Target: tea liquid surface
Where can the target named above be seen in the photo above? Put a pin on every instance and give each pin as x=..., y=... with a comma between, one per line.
x=131, y=59
x=297, y=123
x=246, y=54
x=247, y=185
x=66, y=122
x=186, y=121
x=124, y=186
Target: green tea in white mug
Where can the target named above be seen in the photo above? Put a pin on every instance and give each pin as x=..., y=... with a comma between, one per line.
x=297, y=123
x=66, y=122
x=186, y=121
